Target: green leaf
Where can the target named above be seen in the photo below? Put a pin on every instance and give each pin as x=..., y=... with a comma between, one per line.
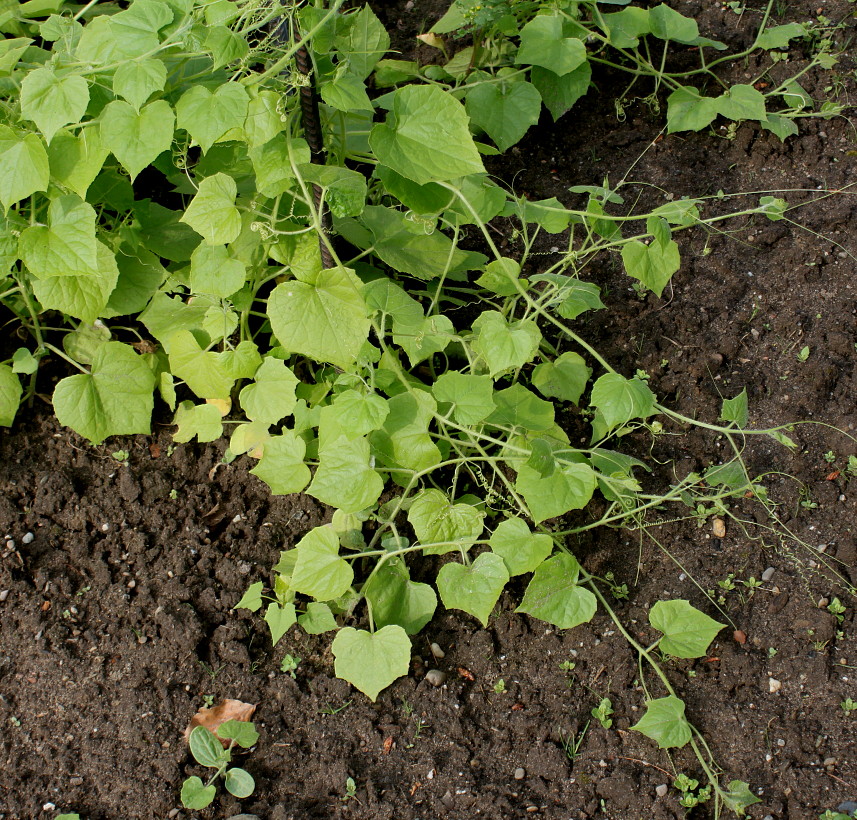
x=325, y=318
x=559, y=94
x=51, y=101
x=67, y=246
x=519, y=407
x=742, y=102
x=196, y=795
x=241, y=731
x=10, y=395
x=738, y=796
x=421, y=341
x=114, y=399
x=554, y=596
x=202, y=420
x=543, y=44
x=226, y=46
x=345, y=92
x=426, y=137
x=501, y=277
x=404, y=441
x=687, y=631
x=279, y=619
x=574, y=297
x=470, y=396
x=735, y=411
x=626, y=27
x=773, y=207
x=345, y=477
x=208, y=116
x=212, y=212
x=475, y=588
x=619, y=399
x=272, y=163
x=782, y=127
x=430, y=198
x=778, y=37
x=405, y=247
x=395, y=599
x=24, y=167
x=263, y=121
x=282, y=465
x=521, y=550
x=732, y=474
x=655, y=263
x=252, y=598
x=200, y=369
x=272, y=396
x=668, y=24
x=84, y=297
x=569, y=487
x=206, y=749
x=357, y=414
x=24, y=362
x=319, y=570
x=502, y=345
x=213, y=271
x=366, y=43
x=687, y=110
x=505, y=111
x=318, y=619
x=241, y=362
x=76, y=161
x=239, y=783
x=436, y=519
x=345, y=190
x=137, y=139
x=564, y=378
x=665, y=723
x=371, y=662
x=137, y=80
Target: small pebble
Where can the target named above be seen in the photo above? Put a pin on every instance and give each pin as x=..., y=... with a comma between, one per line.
x=520, y=773
x=48, y=807
x=768, y=817
x=105, y=528
x=430, y=775
x=719, y=528
x=780, y=742
x=76, y=781
x=740, y=636
x=829, y=762
x=774, y=685
x=661, y=791
x=4, y=594
x=768, y=574
x=823, y=602
x=435, y=677
x=437, y=651
x=28, y=538
x=10, y=544
x=173, y=813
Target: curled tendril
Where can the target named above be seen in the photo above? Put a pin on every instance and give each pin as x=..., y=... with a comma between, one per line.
x=428, y=224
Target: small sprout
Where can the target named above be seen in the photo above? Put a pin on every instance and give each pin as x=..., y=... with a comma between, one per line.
x=174, y=494
x=500, y=687
x=289, y=665
x=350, y=790
x=837, y=608
x=567, y=666
x=121, y=456
x=803, y=355
x=830, y=456
x=603, y=711
x=848, y=706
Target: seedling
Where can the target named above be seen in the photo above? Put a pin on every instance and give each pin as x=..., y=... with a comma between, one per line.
x=571, y=745
x=208, y=751
x=848, y=706
x=602, y=712
x=350, y=790
x=691, y=794
x=334, y=710
x=500, y=687
x=837, y=608
x=121, y=456
x=803, y=354
x=289, y=665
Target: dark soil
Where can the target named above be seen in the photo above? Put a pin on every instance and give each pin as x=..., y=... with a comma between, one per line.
x=117, y=618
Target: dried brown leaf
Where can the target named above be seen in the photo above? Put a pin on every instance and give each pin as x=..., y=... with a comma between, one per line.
x=225, y=710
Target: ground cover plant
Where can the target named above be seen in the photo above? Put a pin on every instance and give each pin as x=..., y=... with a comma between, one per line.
x=428, y=435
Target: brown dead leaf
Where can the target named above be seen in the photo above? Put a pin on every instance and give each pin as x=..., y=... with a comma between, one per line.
x=431, y=40
x=740, y=636
x=388, y=744
x=225, y=710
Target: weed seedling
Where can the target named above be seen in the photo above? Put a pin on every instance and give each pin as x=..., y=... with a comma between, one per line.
x=500, y=687
x=289, y=665
x=208, y=751
x=691, y=794
x=571, y=745
x=334, y=710
x=350, y=790
x=848, y=706
x=602, y=712
x=837, y=608
x=121, y=456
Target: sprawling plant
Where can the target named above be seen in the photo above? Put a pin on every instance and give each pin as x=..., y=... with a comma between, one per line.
x=164, y=228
